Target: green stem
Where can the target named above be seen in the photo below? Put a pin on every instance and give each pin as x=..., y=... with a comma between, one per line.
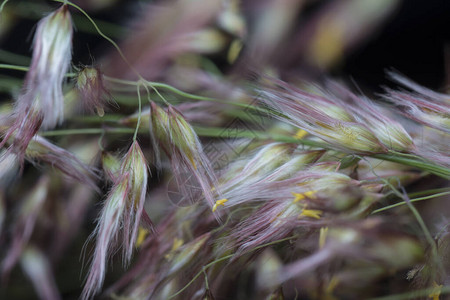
x=87, y=131
x=114, y=44
x=14, y=67
x=412, y=200
x=416, y=214
x=181, y=93
x=225, y=258
x=254, y=134
x=417, y=163
x=227, y=133
x=26, y=69
x=33, y=10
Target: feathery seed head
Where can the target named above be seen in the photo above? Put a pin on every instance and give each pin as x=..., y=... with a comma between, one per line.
x=41, y=102
x=181, y=144
x=121, y=212
x=41, y=150
x=183, y=135
x=159, y=122
x=421, y=105
x=50, y=62
x=322, y=115
x=37, y=267
x=93, y=92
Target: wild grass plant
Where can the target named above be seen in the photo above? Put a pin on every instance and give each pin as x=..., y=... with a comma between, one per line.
x=187, y=159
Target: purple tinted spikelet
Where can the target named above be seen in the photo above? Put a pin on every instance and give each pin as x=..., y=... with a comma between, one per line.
x=329, y=120
x=421, y=105
x=430, y=109
x=37, y=267
x=121, y=212
x=25, y=224
x=246, y=181
x=91, y=86
x=388, y=131
x=41, y=150
x=41, y=101
x=50, y=62
x=170, y=131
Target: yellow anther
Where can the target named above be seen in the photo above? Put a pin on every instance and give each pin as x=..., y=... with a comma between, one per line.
x=191, y=159
x=177, y=243
x=436, y=291
x=330, y=288
x=310, y=194
x=300, y=196
x=300, y=134
x=235, y=49
x=218, y=203
x=142, y=234
x=323, y=236
x=311, y=213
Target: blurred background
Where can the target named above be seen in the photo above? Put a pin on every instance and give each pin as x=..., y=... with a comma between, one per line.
x=353, y=39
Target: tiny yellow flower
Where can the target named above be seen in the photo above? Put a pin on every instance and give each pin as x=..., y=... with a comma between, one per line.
x=311, y=213
x=177, y=243
x=298, y=197
x=323, y=236
x=330, y=288
x=436, y=291
x=218, y=203
x=301, y=196
x=142, y=234
x=300, y=134
x=310, y=194
x=235, y=49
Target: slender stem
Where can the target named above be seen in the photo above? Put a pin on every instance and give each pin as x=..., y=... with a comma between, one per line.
x=200, y=273
x=114, y=44
x=206, y=279
x=411, y=200
x=26, y=69
x=225, y=258
x=34, y=10
x=87, y=131
x=174, y=90
x=153, y=85
x=14, y=67
x=227, y=133
x=423, y=165
x=416, y=214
